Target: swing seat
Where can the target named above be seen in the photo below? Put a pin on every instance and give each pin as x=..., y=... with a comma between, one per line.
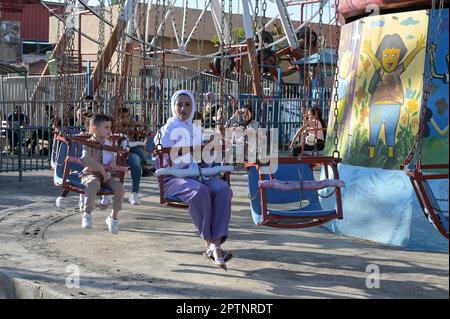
x=302, y=213
x=66, y=173
x=56, y=144
x=310, y=212
x=436, y=213
x=171, y=200
x=174, y=199
x=443, y=217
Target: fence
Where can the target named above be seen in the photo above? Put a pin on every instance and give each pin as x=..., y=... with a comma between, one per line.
x=28, y=106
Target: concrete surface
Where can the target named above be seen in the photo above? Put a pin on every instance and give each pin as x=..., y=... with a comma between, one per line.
x=157, y=254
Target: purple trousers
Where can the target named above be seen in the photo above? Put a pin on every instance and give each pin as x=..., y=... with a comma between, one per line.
x=209, y=204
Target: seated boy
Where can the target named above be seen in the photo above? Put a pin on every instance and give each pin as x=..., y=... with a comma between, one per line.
x=95, y=175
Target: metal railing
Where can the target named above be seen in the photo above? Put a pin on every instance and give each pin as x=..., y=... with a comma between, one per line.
x=28, y=106
x=25, y=148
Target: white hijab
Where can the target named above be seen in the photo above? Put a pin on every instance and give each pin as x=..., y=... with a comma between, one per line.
x=174, y=123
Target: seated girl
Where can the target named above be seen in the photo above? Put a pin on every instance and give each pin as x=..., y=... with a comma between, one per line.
x=311, y=134
x=209, y=198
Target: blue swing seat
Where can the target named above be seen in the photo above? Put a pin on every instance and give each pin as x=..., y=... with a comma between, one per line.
x=72, y=181
x=301, y=213
x=437, y=208
x=55, y=146
x=171, y=198
x=308, y=214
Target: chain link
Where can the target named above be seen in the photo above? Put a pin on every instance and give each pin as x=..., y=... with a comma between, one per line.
x=416, y=149
x=336, y=152
x=157, y=13
x=319, y=73
x=222, y=66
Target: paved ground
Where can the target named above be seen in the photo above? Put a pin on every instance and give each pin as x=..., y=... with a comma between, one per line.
x=158, y=254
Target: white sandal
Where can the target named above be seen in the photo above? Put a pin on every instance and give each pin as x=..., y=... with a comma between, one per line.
x=211, y=256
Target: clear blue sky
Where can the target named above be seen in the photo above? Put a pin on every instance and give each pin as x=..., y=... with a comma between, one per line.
x=271, y=7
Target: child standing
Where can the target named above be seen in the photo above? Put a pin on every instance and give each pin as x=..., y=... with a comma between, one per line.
x=94, y=175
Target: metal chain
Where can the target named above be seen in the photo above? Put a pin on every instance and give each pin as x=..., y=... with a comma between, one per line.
x=256, y=16
x=304, y=102
x=416, y=149
x=186, y=5
x=101, y=29
x=263, y=44
x=163, y=30
x=119, y=77
x=143, y=74
x=161, y=78
x=69, y=60
x=198, y=48
x=222, y=64
x=318, y=72
x=155, y=54
x=129, y=74
x=230, y=48
x=63, y=63
x=58, y=88
x=336, y=152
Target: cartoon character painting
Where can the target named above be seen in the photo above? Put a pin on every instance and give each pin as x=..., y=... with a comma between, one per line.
x=386, y=88
x=345, y=76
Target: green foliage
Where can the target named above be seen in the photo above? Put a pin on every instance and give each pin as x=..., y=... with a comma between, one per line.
x=238, y=34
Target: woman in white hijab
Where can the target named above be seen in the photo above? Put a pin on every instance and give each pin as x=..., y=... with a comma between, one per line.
x=209, y=199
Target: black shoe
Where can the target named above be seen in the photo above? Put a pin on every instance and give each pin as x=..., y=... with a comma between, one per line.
x=147, y=172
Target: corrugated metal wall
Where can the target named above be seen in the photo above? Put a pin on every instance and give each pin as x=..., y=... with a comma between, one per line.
x=34, y=21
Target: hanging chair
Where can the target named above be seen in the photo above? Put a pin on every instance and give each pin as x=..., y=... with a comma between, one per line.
x=434, y=209
x=57, y=144
x=68, y=164
x=293, y=183
x=163, y=172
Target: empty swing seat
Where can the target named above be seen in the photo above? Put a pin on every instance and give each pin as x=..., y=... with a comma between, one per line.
x=433, y=210
x=308, y=212
x=439, y=209
x=301, y=212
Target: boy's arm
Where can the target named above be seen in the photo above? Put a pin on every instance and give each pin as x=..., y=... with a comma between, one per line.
x=88, y=161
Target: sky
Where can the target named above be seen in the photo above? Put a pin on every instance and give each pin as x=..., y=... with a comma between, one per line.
x=237, y=8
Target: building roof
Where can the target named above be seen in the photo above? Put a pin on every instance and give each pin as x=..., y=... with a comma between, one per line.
x=34, y=20
x=7, y=68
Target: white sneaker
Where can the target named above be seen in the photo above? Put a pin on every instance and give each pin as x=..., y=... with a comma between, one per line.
x=86, y=222
x=134, y=199
x=60, y=202
x=113, y=225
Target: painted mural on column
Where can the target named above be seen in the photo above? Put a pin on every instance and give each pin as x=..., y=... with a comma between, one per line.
x=379, y=111
x=435, y=144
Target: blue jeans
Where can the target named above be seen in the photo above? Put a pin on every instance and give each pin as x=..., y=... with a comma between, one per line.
x=135, y=164
x=137, y=150
x=388, y=114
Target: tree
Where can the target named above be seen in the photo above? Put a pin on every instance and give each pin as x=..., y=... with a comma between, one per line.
x=238, y=35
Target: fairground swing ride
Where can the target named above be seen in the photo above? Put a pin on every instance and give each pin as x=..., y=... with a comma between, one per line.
x=294, y=179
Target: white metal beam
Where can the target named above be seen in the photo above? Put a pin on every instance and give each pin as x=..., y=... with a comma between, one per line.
x=287, y=24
